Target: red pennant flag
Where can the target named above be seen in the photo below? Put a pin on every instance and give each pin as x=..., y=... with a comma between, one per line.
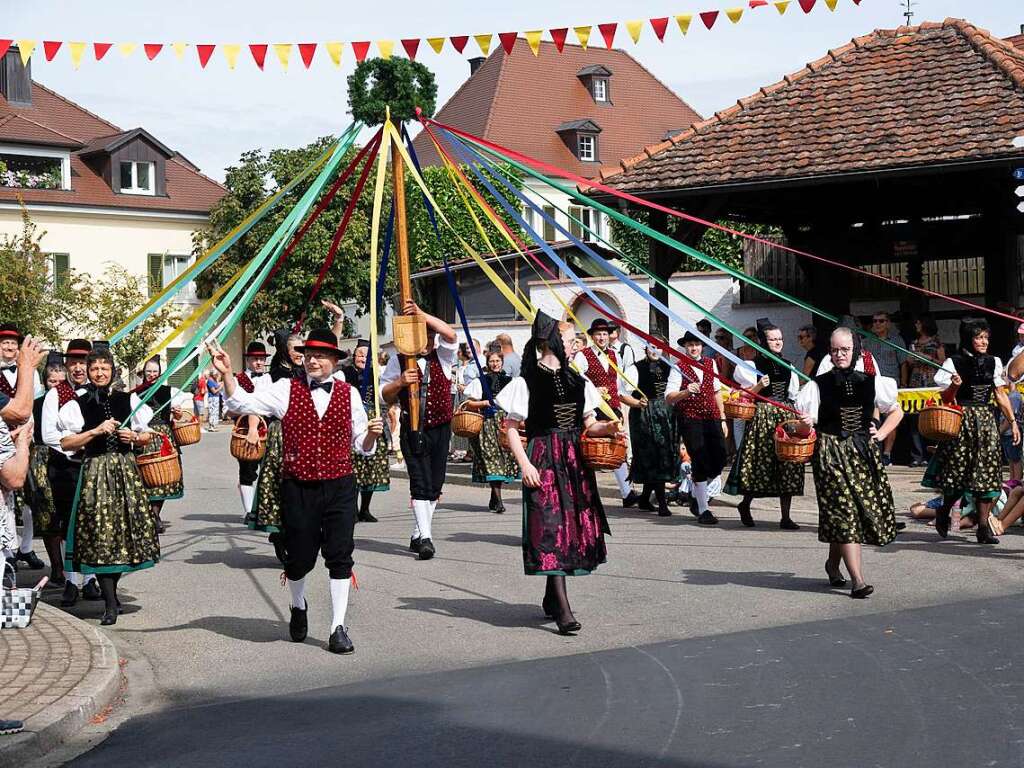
x=361, y=49
x=608, y=31
x=710, y=17
x=4, y=45
x=807, y=5
x=411, y=46
x=559, y=35
x=204, y=52
x=50, y=48
x=100, y=49
x=659, y=26
x=152, y=49
x=758, y=3
x=306, y=51
x=459, y=42
x=259, y=53
x=508, y=41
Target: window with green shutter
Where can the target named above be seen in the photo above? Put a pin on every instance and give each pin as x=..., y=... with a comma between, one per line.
x=60, y=269
x=180, y=376
x=575, y=214
x=156, y=273
x=549, y=227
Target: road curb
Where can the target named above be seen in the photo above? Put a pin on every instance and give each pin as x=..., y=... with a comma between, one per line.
x=68, y=715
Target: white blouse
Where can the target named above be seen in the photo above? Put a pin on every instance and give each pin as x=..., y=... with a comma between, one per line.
x=748, y=379
x=944, y=376
x=675, y=379
x=514, y=399
x=71, y=422
x=886, y=392
x=48, y=420
x=447, y=351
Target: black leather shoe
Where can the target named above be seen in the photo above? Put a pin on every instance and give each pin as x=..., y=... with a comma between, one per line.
x=340, y=642
x=70, y=596
x=56, y=581
x=645, y=505
x=569, y=627
x=500, y=509
x=861, y=592
x=835, y=578
x=298, y=625
x=630, y=500
x=985, y=536
x=942, y=524
x=426, y=549
x=91, y=590
x=31, y=559
x=788, y=524
x=414, y=544
x=706, y=518
x=109, y=617
x=664, y=511
x=366, y=517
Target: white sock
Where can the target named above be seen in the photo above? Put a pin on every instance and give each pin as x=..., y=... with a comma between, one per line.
x=622, y=478
x=700, y=493
x=74, y=578
x=248, y=493
x=339, y=601
x=27, y=530
x=421, y=510
x=298, y=589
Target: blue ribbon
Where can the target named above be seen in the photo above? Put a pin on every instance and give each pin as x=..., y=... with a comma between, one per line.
x=382, y=273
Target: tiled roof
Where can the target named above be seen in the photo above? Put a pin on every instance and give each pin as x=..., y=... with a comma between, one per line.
x=54, y=120
x=519, y=101
x=1017, y=40
x=890, y=100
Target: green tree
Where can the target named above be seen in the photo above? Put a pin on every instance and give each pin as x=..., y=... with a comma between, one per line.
x=397, y=84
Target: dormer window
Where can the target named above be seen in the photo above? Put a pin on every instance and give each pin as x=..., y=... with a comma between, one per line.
x=132, y=162
x=580, y=136
x=137, y=178
x=596, y=79
x=587, y=147
x=600, y=89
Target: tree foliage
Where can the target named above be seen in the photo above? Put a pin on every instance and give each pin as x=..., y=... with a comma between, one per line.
x=396, y=83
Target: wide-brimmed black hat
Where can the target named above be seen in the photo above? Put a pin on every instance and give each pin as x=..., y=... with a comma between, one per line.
x=78, y=348
x=321, y=340
x=600, y=324
x=688, y=337
x=256, y=349
x=10, y=331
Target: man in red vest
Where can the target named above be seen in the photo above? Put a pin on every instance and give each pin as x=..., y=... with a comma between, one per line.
x=322, y=422
x=595, y=362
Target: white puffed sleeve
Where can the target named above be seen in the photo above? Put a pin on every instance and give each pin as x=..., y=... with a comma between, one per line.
x=745, y=376
x=809, y=399
x=474, y=390
x=359, y=421
x=592, y=399
x=69, y=422
x=886, y=394
x=181, y=399
x=628, y=375
x=794, y=385
x=142, y=414
x=581, y=362
x=514, y=399
x=1000, y=374
x=944, y=376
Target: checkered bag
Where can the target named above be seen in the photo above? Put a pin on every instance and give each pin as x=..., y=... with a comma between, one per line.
x=17, y=605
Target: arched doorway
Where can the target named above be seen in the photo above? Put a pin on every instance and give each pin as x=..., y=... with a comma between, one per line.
x=587, y=314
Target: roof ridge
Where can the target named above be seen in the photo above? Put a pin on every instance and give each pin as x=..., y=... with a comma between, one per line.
x=76, y=105
x=1010, y=59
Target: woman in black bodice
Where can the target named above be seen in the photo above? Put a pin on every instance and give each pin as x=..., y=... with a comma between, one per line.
x=492, y=464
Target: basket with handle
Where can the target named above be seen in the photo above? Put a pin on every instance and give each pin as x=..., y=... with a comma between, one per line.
x=792, y=449
x=603, y=452
x=740, y=409
x=158, y=469
x=467, y=423
x=187, y=431
x=939, y=423
x=241, y=448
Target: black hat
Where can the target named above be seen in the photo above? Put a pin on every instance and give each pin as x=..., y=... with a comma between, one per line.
x=10, y=331
x=688, y=337
x=55, y=358
x=600, y=324
x=78, y=348
x=256, y=349
x=363, y=343
x=322, y=340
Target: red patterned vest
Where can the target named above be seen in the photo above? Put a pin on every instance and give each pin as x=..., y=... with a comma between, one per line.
x=702, y=405
x=245, y=382
x=65, y=394
x=315, y=448
x=5, y=386
x=437, y=406
x=602, y=378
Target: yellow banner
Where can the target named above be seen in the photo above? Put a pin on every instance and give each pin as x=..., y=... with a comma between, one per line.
x=913, y=400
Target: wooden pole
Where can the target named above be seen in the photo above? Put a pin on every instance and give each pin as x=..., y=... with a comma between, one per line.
x=404, y=279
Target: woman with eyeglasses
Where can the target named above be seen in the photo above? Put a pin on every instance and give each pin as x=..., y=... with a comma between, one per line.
x=855, y=503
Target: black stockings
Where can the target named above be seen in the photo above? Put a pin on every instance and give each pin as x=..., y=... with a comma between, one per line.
x=365, y=497
x=108, y=587
x=53, y=551
x=556, y=597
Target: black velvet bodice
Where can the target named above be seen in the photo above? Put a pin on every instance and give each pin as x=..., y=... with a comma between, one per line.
x=496, y=381
x=556, y=402
x=779, y=376
x=978, y=375
x=96, y=410
x=160, y=402
x=847, y=403
x=651, y=378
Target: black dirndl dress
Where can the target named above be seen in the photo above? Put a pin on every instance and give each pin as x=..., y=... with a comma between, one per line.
x=491, y=462
x=653, y=430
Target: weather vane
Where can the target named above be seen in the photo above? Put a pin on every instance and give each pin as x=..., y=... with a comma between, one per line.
x=908, y=12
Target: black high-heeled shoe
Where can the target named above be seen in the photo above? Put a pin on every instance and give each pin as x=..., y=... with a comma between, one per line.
x=984, y=534
x=835, y=578
x=861, y=592
x=569, y=627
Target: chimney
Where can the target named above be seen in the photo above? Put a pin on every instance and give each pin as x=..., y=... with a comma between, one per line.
x=474, y=64
x=15, y=78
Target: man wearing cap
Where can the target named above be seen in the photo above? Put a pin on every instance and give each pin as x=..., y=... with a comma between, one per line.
x=595, y=362
x=373, y=473
x=254, y=377
x=323, y=422
x=63, y=467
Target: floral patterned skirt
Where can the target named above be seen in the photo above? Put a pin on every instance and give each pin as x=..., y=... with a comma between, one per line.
x=756, y=471
x=266, y=507
x=971, y=464
x=39, y=495
x=563, y=520
x=373, y=473
x=111, y=529
x=855, y=504
x=171, y=490
x=655, y=441
x=491, y=462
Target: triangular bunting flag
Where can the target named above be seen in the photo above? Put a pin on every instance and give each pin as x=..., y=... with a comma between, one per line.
x=4, y=46
x=231, y=51
x=660, y=26
x=179, y=49
x=734, y=14
x=411, y=46
x=152, y=49
x=127, y=49
x=306, y=51
x=807, y=5
x=259, y=53
x=508, y=41
x=284, y=52
x=559, y=35
x=831, y=4
x=709, y=18
x=26, y=48
x=50, y=48
x=781, y=6
x=583, y=35
x=204, y=52
x=76, y=49
x=683, y=20
x=437, y=43
x=361, y=49
x=459, y=42
x=385, y=47
x=99, y=50
x=757, y=3
x=634, y=28
x=484, y=41
x=533, y=39
x=334, y=51
x=608, y=33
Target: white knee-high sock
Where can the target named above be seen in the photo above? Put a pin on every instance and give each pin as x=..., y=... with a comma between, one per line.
x=421, y=509
x=700, y=493
x=248, y=494
x=298, y=589
x=339, y=601
x=27, y=529
x=622, y=478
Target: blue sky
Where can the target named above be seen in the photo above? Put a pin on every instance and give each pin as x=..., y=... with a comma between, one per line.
x=213, y=115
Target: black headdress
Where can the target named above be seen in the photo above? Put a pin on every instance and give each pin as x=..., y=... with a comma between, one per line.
x=545, y=331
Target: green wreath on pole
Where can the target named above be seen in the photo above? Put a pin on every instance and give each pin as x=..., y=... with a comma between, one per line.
x=400, y=84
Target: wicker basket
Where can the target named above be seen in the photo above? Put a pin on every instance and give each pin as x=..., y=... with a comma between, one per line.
x=795, y=450
x=242, y=449
x=603, y=452
x=740, y=409
x=467, y=423
x=939, y=423
x=503, y=438
x=157, y=470
x=187, y=432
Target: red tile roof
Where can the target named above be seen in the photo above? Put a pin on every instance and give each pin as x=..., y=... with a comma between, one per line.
x=892, y=99
x=1017, y=40
x=54, y=120
x=519, y=101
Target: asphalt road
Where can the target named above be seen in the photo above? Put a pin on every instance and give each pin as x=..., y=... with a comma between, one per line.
x=700, y=646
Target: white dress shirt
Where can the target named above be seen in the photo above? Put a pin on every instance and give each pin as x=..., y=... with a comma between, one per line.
x=48, y=419
x=11, y=376
x=675, y=377
x=447, y=351
x=583, y=364
x=71, y=422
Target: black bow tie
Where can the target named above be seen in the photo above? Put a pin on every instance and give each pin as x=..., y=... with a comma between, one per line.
x=13, y=367
x=326, y=386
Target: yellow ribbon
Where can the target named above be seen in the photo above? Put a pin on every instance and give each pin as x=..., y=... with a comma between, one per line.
x=378, y=198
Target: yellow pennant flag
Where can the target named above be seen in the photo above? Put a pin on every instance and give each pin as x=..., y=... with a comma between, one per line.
x=127, y=49
x=781, y=6
x=283, y=51
x=77, y=49
x=484, y=41
x=831, y=4
x=583, y=35
x=386, y=47
x=533, y=38
x=634, y=27
x=25, y=48
x=683, y=20
x=734, y=14
x=179, y=49
x=437, y=43
x=334, y=51
x=231, y=51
